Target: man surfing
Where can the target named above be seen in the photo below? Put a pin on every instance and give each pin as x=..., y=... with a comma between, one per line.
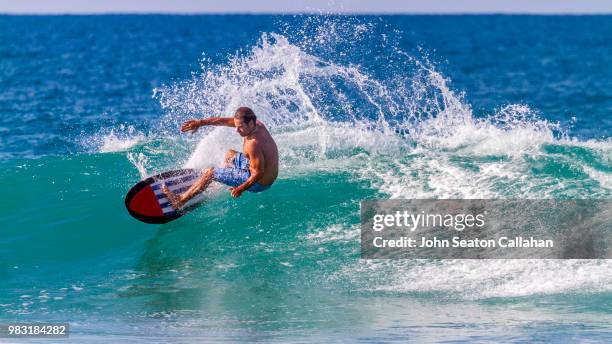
x=254, y=169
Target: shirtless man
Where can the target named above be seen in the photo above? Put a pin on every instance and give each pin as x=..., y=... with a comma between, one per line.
x=254, y=170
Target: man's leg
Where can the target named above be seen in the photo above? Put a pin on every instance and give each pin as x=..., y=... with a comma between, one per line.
x=200, y=185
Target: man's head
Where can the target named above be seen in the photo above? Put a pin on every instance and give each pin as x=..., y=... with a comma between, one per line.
x=245, y=121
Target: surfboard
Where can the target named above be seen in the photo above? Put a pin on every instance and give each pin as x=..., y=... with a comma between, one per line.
x=147, y=202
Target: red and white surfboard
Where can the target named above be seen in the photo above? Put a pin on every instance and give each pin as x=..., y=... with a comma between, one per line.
x=147, y=202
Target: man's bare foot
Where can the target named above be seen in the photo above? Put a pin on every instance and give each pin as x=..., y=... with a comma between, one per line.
x=174, y=199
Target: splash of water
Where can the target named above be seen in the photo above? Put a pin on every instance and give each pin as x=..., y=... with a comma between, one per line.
x=404, y=132
x=118, y=139
x=140, y=161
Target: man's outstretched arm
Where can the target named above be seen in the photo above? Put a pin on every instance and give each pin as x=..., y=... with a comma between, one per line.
x=194, y=124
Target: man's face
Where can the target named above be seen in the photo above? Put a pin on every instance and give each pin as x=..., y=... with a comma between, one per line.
x=243, y=128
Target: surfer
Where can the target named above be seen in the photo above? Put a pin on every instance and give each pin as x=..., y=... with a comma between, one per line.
x=254, y=169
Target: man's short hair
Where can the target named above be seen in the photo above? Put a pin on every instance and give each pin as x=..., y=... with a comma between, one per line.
x=245, y=114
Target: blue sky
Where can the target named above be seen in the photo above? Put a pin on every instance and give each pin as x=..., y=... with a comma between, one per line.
x=301, y=6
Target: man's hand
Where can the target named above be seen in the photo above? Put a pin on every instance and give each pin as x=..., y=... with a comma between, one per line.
x=191, y=125
x=236, y=192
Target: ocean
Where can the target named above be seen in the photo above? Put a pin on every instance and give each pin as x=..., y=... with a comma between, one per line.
x=361, y=107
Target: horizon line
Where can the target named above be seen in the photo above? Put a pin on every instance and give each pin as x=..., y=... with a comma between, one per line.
x=346, y=13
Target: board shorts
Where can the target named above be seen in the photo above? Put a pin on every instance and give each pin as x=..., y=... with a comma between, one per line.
x=237, y=174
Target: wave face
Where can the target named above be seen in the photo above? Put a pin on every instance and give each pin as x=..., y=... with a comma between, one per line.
x=359, y=110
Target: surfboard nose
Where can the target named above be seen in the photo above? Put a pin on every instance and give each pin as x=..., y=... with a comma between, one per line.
x=144, y=202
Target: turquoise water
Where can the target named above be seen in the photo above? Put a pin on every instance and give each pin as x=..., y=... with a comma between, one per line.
x=361, y=108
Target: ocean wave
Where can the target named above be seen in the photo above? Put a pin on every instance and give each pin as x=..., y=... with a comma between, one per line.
x=406, y=134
